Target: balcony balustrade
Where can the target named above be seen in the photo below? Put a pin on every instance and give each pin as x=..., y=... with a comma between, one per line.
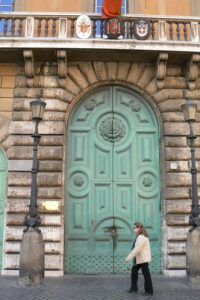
x=60, y=30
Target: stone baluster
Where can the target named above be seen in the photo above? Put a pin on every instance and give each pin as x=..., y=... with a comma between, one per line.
x=185, y=31
x=54, y=27
x=13, y=26
x=94, y=27
x=178, y=31
x=171, y=31
x=39, y=27
x=101, y=27
x=153, y=30
x=72, y=21
x=5, y=29
x=20, y=29
x=131, y=28
x=46, y=27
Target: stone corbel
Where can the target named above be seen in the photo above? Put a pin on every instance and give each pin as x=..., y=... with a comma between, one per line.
x=62, y=64
x=192, y=71
x=29, y=66
x=29, y=63
x=161, y=65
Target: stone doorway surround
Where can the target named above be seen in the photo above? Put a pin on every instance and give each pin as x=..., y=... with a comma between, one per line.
x=61, y=93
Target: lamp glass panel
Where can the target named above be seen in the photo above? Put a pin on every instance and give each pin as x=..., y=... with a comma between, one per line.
x=189, y=111
x=192, y=113
x=37, y=108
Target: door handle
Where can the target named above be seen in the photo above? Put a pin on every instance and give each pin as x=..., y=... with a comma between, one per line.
x=112, y=230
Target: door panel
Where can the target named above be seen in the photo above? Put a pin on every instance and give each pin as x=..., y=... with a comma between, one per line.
x=102, y=195
x=112, y=180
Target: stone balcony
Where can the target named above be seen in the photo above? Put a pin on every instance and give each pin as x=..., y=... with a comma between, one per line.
x=41, y=31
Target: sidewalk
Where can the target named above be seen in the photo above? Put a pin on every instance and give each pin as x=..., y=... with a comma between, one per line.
x=95, y=287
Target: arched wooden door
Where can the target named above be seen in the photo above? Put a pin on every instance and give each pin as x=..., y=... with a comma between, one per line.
x=112, y=181
x=3, y=174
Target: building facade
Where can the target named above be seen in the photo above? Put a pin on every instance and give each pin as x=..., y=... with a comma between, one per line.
x=113, y=148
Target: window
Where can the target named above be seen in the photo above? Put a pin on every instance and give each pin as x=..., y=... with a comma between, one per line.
x=5, y=6
x=98, y=4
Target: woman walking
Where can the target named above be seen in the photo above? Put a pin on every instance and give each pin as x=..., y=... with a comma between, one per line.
x=141, y=251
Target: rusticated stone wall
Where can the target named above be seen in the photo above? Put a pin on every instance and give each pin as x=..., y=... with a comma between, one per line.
x=60, y=96
x=7, y=84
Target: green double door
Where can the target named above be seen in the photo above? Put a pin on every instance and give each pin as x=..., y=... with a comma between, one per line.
x=112, y=181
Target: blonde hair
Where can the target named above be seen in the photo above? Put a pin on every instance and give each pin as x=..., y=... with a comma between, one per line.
x=142, y=229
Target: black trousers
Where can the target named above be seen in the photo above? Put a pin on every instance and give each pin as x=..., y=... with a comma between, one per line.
x=148, y=287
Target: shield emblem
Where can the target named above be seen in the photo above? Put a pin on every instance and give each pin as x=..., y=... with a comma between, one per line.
x=141, y=29
x=113, y=28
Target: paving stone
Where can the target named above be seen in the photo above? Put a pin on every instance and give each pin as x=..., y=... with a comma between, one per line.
x=103, y=287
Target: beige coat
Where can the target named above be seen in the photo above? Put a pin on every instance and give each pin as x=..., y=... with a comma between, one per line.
x=141, y=251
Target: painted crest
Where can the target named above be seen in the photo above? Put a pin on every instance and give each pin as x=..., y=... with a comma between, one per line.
x=83, y=27
x=141, y=29
x=113, y=28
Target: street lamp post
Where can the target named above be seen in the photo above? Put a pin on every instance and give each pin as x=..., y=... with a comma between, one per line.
x=189, y=111
x=31, y=271
x=193, y=236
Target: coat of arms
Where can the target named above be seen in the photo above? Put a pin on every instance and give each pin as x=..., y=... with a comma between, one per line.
x=113, y=28
x=83, y=27
x=141, y=29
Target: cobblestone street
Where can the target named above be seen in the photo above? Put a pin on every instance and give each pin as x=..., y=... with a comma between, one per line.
x=88, y=287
